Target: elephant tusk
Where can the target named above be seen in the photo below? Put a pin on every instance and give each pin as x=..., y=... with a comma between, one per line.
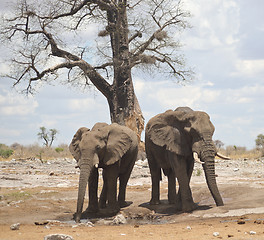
x=96, y=165
x=196, y=158
x=222, y=156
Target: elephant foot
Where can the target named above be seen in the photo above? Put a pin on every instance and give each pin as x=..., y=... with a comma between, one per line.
x=154, y=202
x=189, y=207
x=178, y=206
x=123, y=204
x=111, y=211
x=178, y=203
x=102, y=204
x=77, y=217
x=172, y=200
x=92, y=209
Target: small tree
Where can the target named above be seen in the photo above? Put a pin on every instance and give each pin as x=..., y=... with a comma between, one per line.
x=260, y=143
x=218, y=144
x=47, y=137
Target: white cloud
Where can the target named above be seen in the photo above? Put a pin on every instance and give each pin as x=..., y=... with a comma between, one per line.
x=139, y=85
x=4, y=67
x=249, y=67
x=16, y=105
x=10, y=132
x=193, y=96
x=83, y=104
x=215, y=24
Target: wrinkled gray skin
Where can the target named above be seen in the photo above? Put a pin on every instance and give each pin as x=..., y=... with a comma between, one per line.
x=171, y=139
x=111, y=147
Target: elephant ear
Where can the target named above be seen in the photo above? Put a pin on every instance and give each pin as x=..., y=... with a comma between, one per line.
x=74, y=145
x=166, y=130
x=118, y=143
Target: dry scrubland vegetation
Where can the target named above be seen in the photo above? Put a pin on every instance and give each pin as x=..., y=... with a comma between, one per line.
x=17, y=151
x=241, y=152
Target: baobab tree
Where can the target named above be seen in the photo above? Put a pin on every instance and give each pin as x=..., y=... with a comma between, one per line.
x=95, y=43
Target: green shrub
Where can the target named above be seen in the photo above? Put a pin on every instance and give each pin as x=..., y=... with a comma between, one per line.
x=5, y=152
x=58, y=149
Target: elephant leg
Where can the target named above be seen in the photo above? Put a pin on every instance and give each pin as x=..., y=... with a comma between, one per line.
x=171, y=187
x=93, y=192
x=190, y=166
x=103, y=195
x=123, y=180
x=155, y=172
x=111, y=174
x=179, y=165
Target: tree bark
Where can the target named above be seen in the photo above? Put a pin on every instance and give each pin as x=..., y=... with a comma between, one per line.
x=123, y=103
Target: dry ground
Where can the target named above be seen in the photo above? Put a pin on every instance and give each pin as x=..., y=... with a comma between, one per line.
x=31, y=192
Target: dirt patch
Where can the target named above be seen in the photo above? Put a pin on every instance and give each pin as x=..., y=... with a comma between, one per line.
x=32, y=192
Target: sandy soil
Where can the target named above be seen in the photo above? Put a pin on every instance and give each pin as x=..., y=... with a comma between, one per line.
x=42, y=198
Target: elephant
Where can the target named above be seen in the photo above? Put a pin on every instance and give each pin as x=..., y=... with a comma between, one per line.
x=113, y=148
x=174, y=140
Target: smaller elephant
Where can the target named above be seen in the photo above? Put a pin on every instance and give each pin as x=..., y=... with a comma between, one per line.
x=111, y=147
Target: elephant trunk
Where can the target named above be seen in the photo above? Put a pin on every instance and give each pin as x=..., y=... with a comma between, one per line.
x=207, y=157
x=85, y=171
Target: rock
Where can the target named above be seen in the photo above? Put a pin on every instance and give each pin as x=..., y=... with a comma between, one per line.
x=236, y=169
x=85, y=224
x=241, y=221
x=258, y=222
x=15, y=226
x=252, y=233
x=188, y=228
x=104, y=222
x=58, y=237
x=216, y=234
x=119, y=219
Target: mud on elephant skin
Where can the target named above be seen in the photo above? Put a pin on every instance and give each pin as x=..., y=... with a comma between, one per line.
x=174, y=140
x=113, y=148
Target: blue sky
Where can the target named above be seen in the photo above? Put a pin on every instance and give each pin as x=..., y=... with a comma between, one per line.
x=224, y=47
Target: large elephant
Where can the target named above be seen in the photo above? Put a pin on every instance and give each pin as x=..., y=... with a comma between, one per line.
x=174, y=140
x=111, y=147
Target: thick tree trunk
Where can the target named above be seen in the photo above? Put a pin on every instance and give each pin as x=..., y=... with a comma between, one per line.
x=125, y=109
x=123, y=104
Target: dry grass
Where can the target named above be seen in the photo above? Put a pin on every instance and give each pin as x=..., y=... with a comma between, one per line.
x=62, y=151
x=241, y=152
x=37, y=152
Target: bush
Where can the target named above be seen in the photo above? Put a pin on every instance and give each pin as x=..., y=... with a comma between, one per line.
x=5, y=152
x=59, y=149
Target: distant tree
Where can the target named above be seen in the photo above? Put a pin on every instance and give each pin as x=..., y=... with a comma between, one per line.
x=47, y=136
x=54, y=38
x=218, y=144
x=260, y=141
